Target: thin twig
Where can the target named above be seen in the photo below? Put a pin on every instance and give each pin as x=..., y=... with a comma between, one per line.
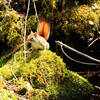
x=93, y=42
x=9, y=3
x=97, y=87
x=12, y=68
x=36, y=15
x=25, y=30
x=35, y=10
x=13, y=72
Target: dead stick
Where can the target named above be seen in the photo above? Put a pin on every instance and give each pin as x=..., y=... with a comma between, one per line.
x=97, y=87
x=76, y=51
x=11, y=53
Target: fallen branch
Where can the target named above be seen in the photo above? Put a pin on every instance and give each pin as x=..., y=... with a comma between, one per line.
x=89, y=74
x=78, y=52
x=11, y=53
x=97, y=87
x=77, y=61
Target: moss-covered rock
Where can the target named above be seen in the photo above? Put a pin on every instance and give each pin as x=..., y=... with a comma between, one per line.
x=45, y=70
x=82, y=22
x=10, y=27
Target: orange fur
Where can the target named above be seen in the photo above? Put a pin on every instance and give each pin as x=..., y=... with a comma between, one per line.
x=44, y=28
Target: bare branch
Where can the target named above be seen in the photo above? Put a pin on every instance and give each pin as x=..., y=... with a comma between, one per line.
x=93, y=42
x=78, y=52
x=35, y=10
x=77, y=60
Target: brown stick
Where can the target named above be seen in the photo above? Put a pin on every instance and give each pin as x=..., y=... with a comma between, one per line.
x=11, y=53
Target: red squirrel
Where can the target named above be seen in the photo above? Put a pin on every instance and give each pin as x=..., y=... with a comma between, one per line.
x=39, y=38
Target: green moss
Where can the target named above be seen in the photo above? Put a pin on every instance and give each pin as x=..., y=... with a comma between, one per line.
x=11, y=28
x=7, y=95
x=1, y=83
x=48, y=7
x=80, y=18
x=23, y=86
x=47, y=71
x=96, y=10
x=78, y=86
x=6, y=70
x=31, y=24
x=2, y=6
x=38, y=94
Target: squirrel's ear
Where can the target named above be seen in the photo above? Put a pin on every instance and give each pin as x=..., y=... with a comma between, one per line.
x=30, y=35
x=31, y=32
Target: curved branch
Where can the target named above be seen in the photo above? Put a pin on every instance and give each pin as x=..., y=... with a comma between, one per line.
x=78, y=52
x=77, y=60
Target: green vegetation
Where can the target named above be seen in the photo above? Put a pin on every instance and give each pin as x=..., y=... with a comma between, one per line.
x=1, y=82
x=38, y=94
x=31, y=24
x=7, y=95
x=10, y=27
x=83, y=20
x=46, y=72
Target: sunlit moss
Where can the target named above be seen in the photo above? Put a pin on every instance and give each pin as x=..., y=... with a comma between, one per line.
x=96, y=7
x=1, y=82
x=7, y=95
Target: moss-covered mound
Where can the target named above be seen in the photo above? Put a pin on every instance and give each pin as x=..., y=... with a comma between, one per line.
x=47, y=72
x=11, y=28
x=83, y=22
